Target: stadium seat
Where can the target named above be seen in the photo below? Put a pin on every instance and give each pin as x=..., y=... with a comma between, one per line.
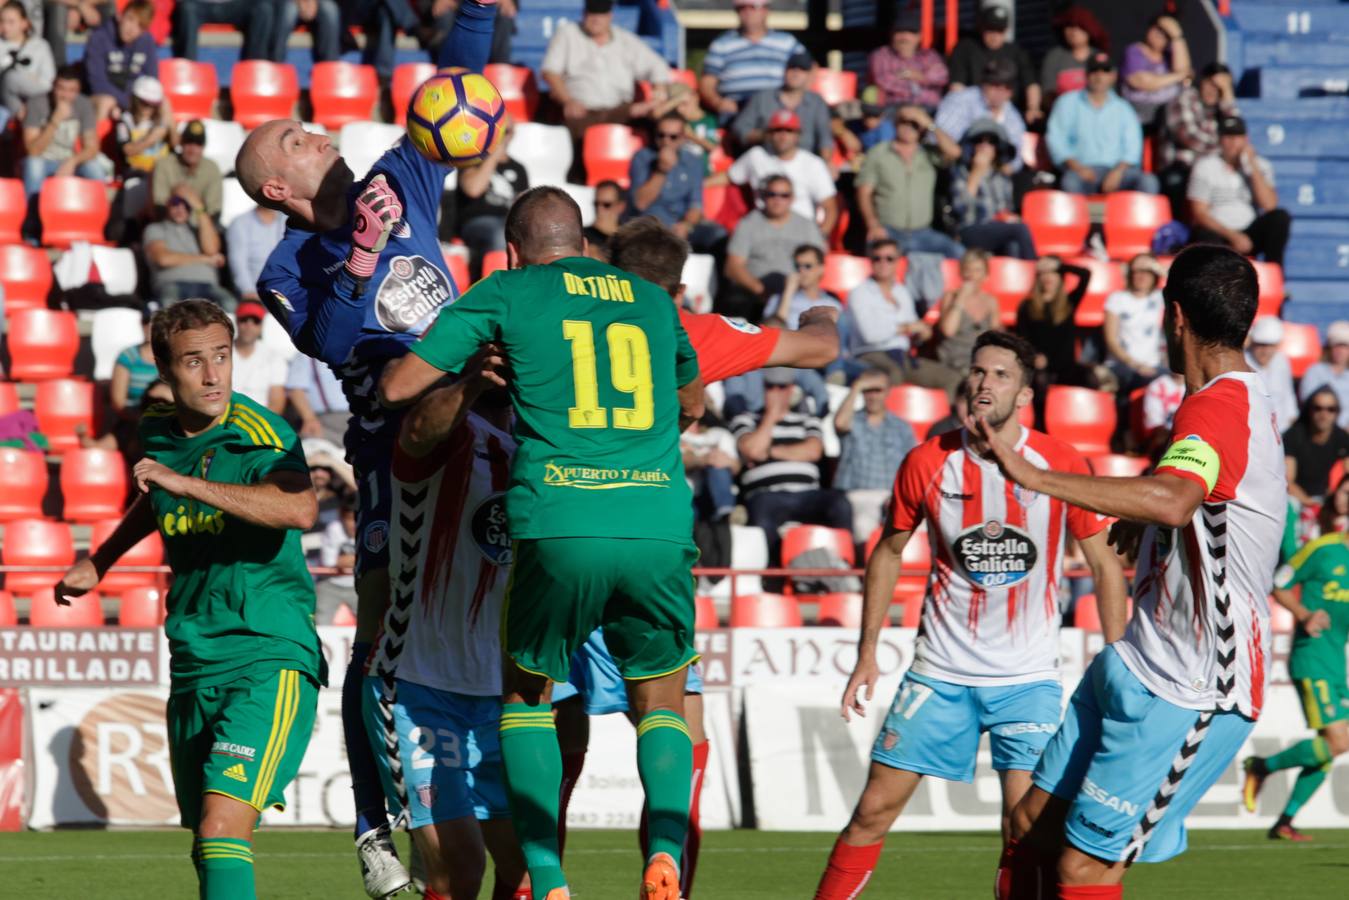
x=705, y=613
x=190, y=87
x=584, y=195
x=9, y=616
x=699, y=272
x=9, y=398
x=36, y=542
x=1117, y=465
x=810, y=537
x=112, y=330
x=1131, y=217
x=607, y=151
x=1302, y=344
x=93, y=484
x=149, y=551
x=23, y=483
x=686, y=77
x=1058, y=221
x=764, y=611
x=363, y=143
x=13, y=208
x=1270, y=277
x=457, y=266
x=342, y=92
x=223, y=140
x=72, y=209
x=407, y=77
x=234, y=202
x=1087, y=613
x=517, y=87
x=1081, y=416
x=1136, y=429
x=141, y=607
x=1106, y=277
x=841, y=610
x=83, y=612
x=919, y=406
x=1010, y=280
x=43, y=344
x=261, y=91
x=492, y=261
x=843, y=272
x=1281, y=620
x=833, y=85
x=544, y=150
x=912, y=616
x=60, y=405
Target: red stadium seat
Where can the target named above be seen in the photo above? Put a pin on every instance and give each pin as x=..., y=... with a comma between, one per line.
x=148, y=551
x=1058, y=221
x=13, y=208
x=607, y=150
x=1270, y=276
x=1281, y=621
x=517, y=87
x=23, y=483
x=913, y=611
x=844, y=610
x=919, y=406
x=190, y=87
x=686, y=77
x=72, y=209
x=26, y=276
x=1106, y=277
x=843, y=272
x=60, y=406
x=141, y=608
x=492, y=261
x=94, y=484
x=1302, y=344
x=1010, y=280
x=9, y=616
x=917, y=562
x=1117, y=465
x=407, y=77
x=262, y=91
x=764, y=611
x=82, y=612
x=1087, y=614
x=43, y=344
x=1131, y=217
x=342, y=92
x=36, y=542
x=457, y=266
x=705, y=613
x=9, y=398
x=714, y=196
x=1136, y=429
x=834, y=86
x=810, y=537
x=1081, y=416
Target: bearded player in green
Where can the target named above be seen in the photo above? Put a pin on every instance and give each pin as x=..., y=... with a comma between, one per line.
x=601, y=375
x=225, y=483
x=1316, y=664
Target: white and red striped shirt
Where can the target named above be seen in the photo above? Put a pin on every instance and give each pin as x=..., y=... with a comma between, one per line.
x=1200, y=635
x=991, y=613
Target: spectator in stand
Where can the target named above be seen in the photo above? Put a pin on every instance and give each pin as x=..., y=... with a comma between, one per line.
x=1156, y=68
x=1191, y=130
x=315, y=394
x=611, y=204
x=26, y=66
x=1313, y=445
x=904, y=71
x=960, y=411
x=58, y=19
x=337, y=549
x=1264, y=356
x=982, y=195
x=873, y=445
x=802, y=290
x=323, y=20
x=815, y=197
x=133, y=372
x=189, y=166
x=1095, y=138
x=972, y=55
x=760, y=251
x=251, y=238
x=185, y=260
x=750, y=126
x=1233, y=199
x=667, y=183
x=990, y=99
x=592, y=70
x=1045, y=319
x=780, y=448
x=1133, y=326
x=120, y=51
x=1333, y=371
x=255, y=19
x=897, y=183
x=1064, y=67
x=742, y=62
x=259, y=371
x=483, y=194
x=1161, y=399
x=964, y=314
x=145, y=134
x=711, y=463
x=60, y=135
x=701, y=132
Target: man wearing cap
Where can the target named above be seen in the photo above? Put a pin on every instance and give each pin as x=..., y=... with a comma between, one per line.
x=1095, y=138
x=1264, y=356
x=1192, y=129
x=1233, y=200
x=1333, y=372
x=897, y=181
x=118, y=52
x=815, y=196
x=189, y=168
x=741, y=62
x=990, y=99
x=259, y=371
x=904, y=71
x=972, y=54
x=794, y=94
x=183, y=250
x=982, y=196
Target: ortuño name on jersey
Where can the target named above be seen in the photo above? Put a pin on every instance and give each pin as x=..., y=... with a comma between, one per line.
x=994, y=555
x=412, y=290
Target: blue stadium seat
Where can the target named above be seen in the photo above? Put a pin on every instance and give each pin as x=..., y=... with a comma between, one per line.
x=1293, y=82
x=1319, y=248
x=1315, y=188
x=1306, y=17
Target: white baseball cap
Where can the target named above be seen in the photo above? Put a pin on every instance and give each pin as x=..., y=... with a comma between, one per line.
x=147, y=89
x=1337, y=333
x=1267, y=330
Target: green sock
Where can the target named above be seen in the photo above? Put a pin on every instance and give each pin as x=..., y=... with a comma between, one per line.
x=533, y=763
x=1308, y=780
x=224, y=869
x=665, y=764
x=1309, y=754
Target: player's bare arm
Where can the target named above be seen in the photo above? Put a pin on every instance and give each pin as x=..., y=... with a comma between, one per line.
x=405, y=379
x=85, y=575
x=879, y=585
x=691, y=403
x=1112, y=597
x=1312, y=622
x=443, y=409
x=812, y=345
x=280, y=500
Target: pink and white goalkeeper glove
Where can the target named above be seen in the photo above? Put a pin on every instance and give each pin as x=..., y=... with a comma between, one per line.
x=377, y=210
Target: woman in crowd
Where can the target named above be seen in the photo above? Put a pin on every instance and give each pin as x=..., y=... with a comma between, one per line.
x=965, y=313
x=1312, y=447
x=982, y=194
x=26, y=65
x=1156, y=68
x=1064, y=67
x=1133, y=326
x=1045, y=318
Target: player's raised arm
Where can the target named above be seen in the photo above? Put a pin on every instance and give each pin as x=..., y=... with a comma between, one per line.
x=282, y=499
x=85, y=575
x=812, y=345
x=882, y=574
x=441, y=411
x=1112, y=596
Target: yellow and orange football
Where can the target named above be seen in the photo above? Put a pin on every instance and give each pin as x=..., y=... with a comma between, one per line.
x=455, y=117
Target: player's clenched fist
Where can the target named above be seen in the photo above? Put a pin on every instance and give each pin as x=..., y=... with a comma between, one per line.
x=377, y=210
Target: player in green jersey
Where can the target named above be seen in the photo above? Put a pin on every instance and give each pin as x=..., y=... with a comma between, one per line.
x=226, y=485
x=602, y=377
x=1316, y=665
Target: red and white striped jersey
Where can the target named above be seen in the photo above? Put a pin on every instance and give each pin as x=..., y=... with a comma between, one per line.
x=449, y=563
x=1200, y=636
x=991, y=612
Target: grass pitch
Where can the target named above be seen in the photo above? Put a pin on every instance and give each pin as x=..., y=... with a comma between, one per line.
x=603, y=864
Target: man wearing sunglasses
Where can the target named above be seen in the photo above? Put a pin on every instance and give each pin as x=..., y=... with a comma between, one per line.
x=898, y=179
x=759, y=255
x=1333, y=372
x=667, y=183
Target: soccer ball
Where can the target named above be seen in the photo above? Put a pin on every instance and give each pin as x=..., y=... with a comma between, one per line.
x=454, y=117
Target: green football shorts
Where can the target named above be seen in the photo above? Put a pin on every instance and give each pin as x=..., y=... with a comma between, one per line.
x=244, y=740
x=639, y=590
x=1324, y=700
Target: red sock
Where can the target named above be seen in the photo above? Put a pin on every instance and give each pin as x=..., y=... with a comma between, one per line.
x=694, y=841
x=1004, y=882
x=848, y=871
x=572, y=764
x=1091, y=892
x=1023, y=874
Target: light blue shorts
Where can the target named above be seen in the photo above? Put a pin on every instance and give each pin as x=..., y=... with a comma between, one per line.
x=1120, y=750
x=449, y=749
x=595, y=679
x=933, y=726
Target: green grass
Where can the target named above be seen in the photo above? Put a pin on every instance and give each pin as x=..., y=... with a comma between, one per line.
x=603, y=864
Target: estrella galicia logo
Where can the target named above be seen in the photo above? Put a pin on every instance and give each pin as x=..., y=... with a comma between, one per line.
x=491, y=531
x=995, y=555
x=376, y=536
x=411, y=291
